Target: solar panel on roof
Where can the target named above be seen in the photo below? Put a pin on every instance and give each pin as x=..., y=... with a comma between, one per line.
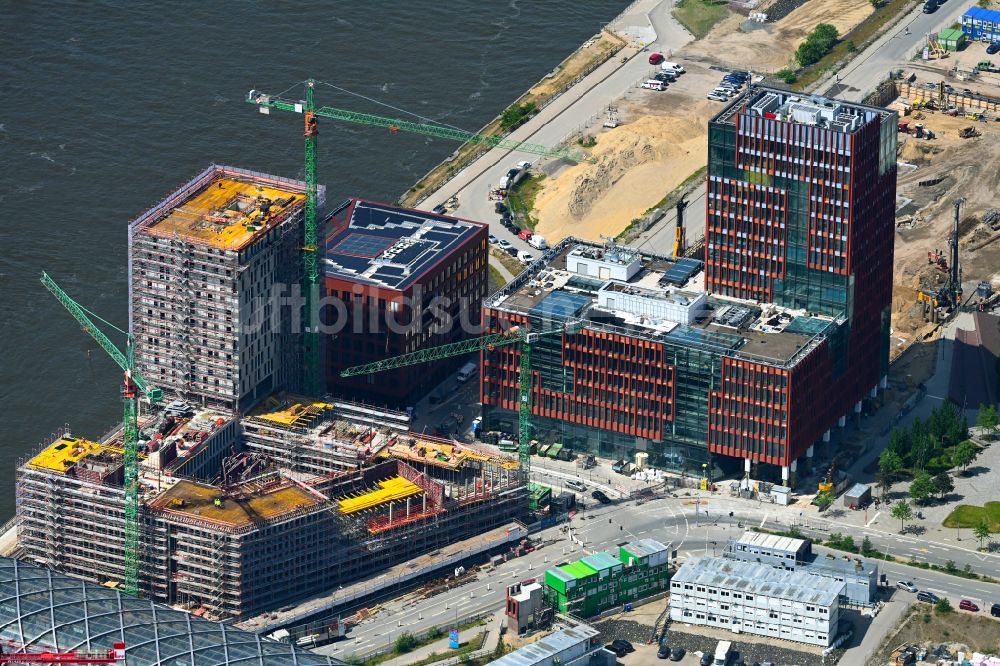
x=806, y=325
x=363, y=245
x=681, y=271
x=561, y=304
x=697, y=336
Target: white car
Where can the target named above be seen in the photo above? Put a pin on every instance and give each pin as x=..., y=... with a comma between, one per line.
x=525, y=257
x=653, y=84
x=523, y=165
x=906, y=585
x=504, y=245
x=717, y=97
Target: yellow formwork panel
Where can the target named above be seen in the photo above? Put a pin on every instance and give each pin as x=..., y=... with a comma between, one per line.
x=226, y=214
x=63, y=454
x=290, y=410
x=396, y=488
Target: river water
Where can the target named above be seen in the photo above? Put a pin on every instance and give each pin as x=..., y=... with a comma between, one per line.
x=107, y=106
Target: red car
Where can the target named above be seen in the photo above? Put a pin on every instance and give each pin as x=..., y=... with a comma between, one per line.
x=526, y=234
x=967, y=605
x=655, y=58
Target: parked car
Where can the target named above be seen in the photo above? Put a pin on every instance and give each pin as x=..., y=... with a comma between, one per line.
x=507, y=219
x=525, y=234
x=601, y=497
x=706, y=659
x=717, y=97
x=655, y=58
x=500, y=208
x=525, y=257
x=493, y=239
x=995, y=610
x=664, y=651
x=968, y=605
x=618, y=652
x=514, y=229
x=665, y=77
x=523, y=165
x=906, y=585
x=993, y=48
x=576, y=485
x=677, y=654
x=512, y=251
x=439, y=209
x=927, y=597
x=504, y=245
x=618, y=466
x=622, y=644
x=930, y=8
x=654, y=84
x=668, y=66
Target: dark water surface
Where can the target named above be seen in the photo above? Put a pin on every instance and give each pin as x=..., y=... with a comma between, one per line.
x=107, y=106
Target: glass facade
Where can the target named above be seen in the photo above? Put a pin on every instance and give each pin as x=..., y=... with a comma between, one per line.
x=42, y=609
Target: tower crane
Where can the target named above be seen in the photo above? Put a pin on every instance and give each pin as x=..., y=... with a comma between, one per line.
x=515, y=336
x=134, y=384
x=312, y=361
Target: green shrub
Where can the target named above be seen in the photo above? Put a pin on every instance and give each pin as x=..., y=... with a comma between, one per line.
x=786, y=75
x=516, y=115
x=406, y=642
x=817, y=44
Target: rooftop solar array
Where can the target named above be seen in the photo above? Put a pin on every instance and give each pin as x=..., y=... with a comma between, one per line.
x=682, y=271
x=698, y=337
x=390, y=246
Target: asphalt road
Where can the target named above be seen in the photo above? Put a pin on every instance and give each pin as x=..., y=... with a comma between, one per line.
x=691, y=528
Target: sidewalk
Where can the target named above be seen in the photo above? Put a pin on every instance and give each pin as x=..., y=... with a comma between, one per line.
x=886, y=621
x=440, y=647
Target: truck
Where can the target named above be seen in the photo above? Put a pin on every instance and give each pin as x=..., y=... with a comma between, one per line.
x=466, y=372
x=538, y=242
x=722, y=651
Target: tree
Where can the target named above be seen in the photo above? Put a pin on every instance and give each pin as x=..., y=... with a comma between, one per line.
x=824, y=500
x=921, y=451
x=943, y=606
x=515, y=115
x=943, y=484
x=921, y=488
x=866, y=547
x=982, y=531
x=406, y=642
x=986, y=418
x=884, y=483
x=902, y=512
x=889, y=462
x=964, y=454
x=817, y=44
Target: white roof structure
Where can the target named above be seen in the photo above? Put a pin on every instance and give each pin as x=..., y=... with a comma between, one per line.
x=762, y=579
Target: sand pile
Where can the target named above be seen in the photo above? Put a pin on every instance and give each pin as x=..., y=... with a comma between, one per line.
x=637, y=165
x=771, y=47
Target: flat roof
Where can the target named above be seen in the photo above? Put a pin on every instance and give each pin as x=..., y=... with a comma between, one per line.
x=578, y=569
x=763, y=579
x=601, y=561
x=800, y=108
x=197, y=500
x=63, y=454
x=772, y=541
x=389, y=246
x=226, y=208
x=545, y=649
x=644, y=547
x=981, y=14
x=761, y=332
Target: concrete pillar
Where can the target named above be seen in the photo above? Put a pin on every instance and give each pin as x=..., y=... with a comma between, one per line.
x=857, y=407
x=842, y=421
x=875, y=391
x=810, y=452
x=794, y=474
x=746, y=466
x=408, y=506
x=784, y=474
x=884, y=382
x=826, y=437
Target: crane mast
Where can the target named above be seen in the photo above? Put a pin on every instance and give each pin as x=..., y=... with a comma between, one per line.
x=133, y=385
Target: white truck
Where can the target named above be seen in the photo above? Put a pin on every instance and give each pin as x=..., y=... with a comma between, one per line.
x=722, y=653
x=537, y=241
x=466, y=372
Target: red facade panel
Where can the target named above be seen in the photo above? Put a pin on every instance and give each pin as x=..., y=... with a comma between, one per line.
x=748, y=417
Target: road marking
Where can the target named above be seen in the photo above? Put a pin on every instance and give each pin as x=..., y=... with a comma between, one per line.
x=877, y=514
x=763, y=520
x=441, y=613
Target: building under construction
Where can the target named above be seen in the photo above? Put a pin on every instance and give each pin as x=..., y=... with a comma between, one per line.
x=242, y=516
x=207, y=266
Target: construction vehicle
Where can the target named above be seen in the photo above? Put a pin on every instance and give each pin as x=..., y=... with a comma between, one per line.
x=936, y=257
x=517, y=335
x=611, y=117
x=949, y=295
x=826, y=485
x=968, y=132
x=17, y=653
x=679, y=232
x=312, y=359
x=134, y=385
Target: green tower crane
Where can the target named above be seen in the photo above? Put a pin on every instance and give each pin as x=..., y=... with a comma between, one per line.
x=312, y=361
x=515, y=336
x=134, y=384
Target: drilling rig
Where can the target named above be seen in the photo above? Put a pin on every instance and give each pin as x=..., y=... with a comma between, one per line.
x=947, y=296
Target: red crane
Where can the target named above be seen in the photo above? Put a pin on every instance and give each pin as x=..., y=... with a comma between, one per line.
x=50, y=655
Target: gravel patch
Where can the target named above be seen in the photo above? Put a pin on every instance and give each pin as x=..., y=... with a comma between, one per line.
x=750, y=652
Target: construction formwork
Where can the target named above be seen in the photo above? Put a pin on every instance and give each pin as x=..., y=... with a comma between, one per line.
x=205, y=265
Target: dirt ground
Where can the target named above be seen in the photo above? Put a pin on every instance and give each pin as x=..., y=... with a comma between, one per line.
x=664, y=136
x=638, y=163
x=770, y=47
x=573, y=66
x=956, y=630
x=969, y=168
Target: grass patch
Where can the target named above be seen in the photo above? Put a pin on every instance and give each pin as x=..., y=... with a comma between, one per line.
x=969, y=515
x=475, y=644
x=858, y=38
x=497, y=280
x=700, y=16
x=522, y=199
x=514, y=266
